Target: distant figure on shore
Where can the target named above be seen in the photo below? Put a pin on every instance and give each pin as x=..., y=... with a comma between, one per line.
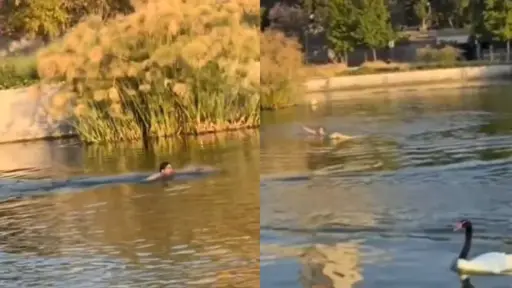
x=320, y=132
x=165, y=172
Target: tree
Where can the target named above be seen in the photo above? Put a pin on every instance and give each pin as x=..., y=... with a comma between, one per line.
x=342, y=24
x=497, y=19
x=454, y=13
x=78, y=9
x=374, y=27
x=288, y=19
x=46, y=18
x=423, y=11
x=263, y=15
x=49, y=18
x=318, y=8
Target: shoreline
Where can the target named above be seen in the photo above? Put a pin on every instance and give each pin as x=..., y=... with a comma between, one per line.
x=400, y=91
x=393, y=82
x=24, y=117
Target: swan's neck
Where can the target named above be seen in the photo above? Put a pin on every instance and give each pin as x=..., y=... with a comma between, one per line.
x=467, y=243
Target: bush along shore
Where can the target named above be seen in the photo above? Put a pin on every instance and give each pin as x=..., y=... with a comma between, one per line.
x=129, y=80
x=17, y=72
x=171, y=67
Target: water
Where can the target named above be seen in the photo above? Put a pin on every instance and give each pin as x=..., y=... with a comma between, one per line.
x=200, y=232
x=379, y=211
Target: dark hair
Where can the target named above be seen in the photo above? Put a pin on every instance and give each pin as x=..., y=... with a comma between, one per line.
x=163, y=165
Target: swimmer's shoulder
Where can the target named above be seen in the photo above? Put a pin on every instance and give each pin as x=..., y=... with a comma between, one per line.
x=153, y=177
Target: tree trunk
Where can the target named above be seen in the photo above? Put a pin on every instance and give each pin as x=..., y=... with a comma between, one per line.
x=508, y=50
x=491, y=53
x=478, y=51
x=345, y=57
x=423, y=27
x=374, y=52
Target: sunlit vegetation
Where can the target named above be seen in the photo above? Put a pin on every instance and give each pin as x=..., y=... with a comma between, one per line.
x=447, y=55
x=281, y=73
x=50, y=18
x=171, y=67
x=17, y=72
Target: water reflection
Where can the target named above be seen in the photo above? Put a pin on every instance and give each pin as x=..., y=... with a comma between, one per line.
x=203, y=232
x=466, y=283
x=426, y=162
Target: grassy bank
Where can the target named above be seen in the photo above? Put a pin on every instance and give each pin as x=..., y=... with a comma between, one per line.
x=19, y=71
x=194, y=84
x=377, y=67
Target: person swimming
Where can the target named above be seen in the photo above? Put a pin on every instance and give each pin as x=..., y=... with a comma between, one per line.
x=321, y=133
x=165, y=172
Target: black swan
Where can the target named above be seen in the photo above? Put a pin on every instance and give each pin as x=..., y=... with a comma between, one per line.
x=491, y=263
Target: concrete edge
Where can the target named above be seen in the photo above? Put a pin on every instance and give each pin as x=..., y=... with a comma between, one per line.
x=397, y=91
x=395, y=83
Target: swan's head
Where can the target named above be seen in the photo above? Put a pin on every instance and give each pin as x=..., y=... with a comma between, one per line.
x=462, y=224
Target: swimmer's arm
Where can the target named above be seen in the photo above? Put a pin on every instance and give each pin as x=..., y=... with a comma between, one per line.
x=152, y=177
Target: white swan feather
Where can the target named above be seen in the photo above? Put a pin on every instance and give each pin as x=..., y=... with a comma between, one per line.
x=494, y=263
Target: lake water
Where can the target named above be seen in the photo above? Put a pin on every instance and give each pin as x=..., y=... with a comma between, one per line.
x=200, y=232
x=379, y=211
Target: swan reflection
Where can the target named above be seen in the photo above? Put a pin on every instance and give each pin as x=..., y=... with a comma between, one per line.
x=466, y=283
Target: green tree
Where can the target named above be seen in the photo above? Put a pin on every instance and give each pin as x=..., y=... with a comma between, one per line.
x=263, y=10
x=50, y=18
x=46, y=18
x=497, y=19
x=342, y=24
x=318, y=8
x=78, y=9
x=454, y=13
x=374, y=27
x=422, y=10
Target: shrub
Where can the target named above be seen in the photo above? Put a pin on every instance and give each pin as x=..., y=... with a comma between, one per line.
x=289, y=19
x=281, y=74
x=49, y=18
x=18, y=71
x=325, y=70
x=383, y=66
x=171, y=67
x=446, y=56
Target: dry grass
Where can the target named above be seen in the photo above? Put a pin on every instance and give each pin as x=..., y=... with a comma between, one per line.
x=282, y=73
x=325, y=71
x=333, y=70
x=447, y=55
x=381, y=65
x=171, y=67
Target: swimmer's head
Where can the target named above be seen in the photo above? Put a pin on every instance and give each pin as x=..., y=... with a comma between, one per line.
x=321, y=131
x=166, y=168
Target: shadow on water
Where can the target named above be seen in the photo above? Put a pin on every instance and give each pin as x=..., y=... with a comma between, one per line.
x=201, y=233
x=427, y=161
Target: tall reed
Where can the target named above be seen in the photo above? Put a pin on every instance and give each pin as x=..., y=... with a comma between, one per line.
x=171, y=67
x=283, y=72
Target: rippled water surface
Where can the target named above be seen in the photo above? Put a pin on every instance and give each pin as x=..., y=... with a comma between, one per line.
x=191, y=233
x=378, y=211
